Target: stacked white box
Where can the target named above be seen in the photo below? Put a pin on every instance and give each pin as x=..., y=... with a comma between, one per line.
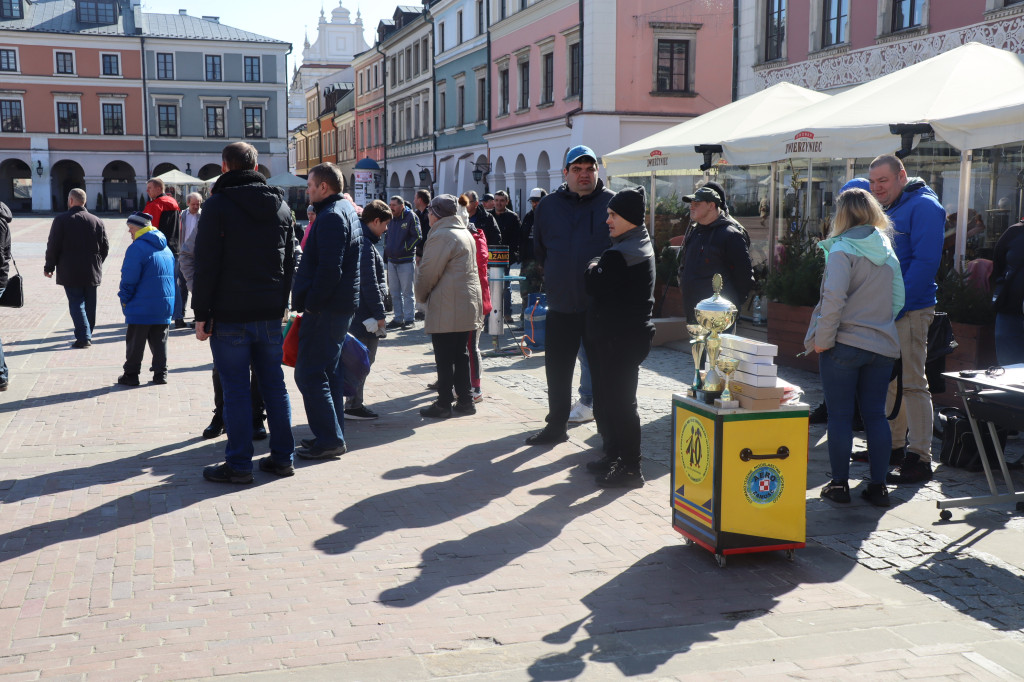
x=757, y=366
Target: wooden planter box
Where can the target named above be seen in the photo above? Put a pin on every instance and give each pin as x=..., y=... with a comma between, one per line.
x=976, y=349
x=787, y=327
x=672, y=303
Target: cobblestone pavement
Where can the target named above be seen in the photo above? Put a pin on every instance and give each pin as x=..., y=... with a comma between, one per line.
x=440, y=550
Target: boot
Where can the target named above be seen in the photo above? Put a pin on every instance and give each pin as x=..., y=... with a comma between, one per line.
x=215, y=428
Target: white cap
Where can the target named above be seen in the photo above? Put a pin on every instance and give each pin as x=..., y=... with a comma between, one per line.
x=536, y=193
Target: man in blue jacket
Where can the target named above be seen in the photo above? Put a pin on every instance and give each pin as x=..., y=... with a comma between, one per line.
x=327, y=292
x=147, y=298
x=569, y=231
x=372, y=290
x=918, y=222
x=400, y=243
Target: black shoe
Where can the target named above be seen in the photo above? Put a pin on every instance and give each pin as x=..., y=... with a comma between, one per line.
x=182, y=324
x=432, y=386
x=601, y=466
x=360, y=413
x=837, y=492
x=215, y=428
x=420, y=316
x=913, y=470
x=160, y=377
x=461, y=409
x=259, y=431
x=307, y=443
x=223, y=473
x=393, y=324
x=128, y=379
x=408, y=324
x=436, y=410
x=313, y=452
x=819, y=415
x=622, y=476
x=876, y=494
x=3, y=385
x=547, y=436
x=897, y=456
x=271, y=467
x=81, y=344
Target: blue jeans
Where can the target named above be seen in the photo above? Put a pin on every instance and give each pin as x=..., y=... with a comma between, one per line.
x=3, y=362
x=850, y=375
x=586, y=385
x=82, y=305
x=1009, y=338
x=400, y=276
x=236, y=346
x=320, y=375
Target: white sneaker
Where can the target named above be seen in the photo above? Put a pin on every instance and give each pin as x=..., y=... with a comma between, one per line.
x=478, y=395
x=580, y=413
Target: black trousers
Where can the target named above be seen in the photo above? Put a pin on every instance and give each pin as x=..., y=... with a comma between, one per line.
x=614, y=369
x=562, y=338
x=136, y=338
x=452, y=359
x=254, y=392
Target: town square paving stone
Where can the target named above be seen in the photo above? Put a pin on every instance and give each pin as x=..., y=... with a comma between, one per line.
x=439, y=550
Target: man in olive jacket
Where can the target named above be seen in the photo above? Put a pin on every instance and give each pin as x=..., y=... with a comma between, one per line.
x=76, y=249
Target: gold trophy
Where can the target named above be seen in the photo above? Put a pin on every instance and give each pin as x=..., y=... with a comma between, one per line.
x=727, y=366
x=715, y=314
x=697, y=334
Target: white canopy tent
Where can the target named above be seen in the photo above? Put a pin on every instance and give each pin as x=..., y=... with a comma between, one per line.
x=180, y=179
x=672, y=150
x=286, y=180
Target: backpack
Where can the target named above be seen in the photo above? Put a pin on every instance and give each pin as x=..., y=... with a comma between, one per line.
x=959, y=449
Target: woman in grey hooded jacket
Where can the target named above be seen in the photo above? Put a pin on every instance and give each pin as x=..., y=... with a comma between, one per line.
x=853, y=330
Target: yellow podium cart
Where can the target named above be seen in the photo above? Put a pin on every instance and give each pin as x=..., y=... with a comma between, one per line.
x=739, y=477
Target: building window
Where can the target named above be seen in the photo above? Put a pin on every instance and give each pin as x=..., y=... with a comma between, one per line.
x=426, y=54
x=460, y=102
x=164, y=66
x=394, y=127
x=547, y=95
x=111, y=65
x=522, y=5
x=215, y=121
x=480, y=16
x=442, y=109
x=252, y=69
x=11, y=9
x=8, y=60
x=906, y=14
x=65, y=62
x=167, y=117
x=503, y=91
x=394, y=71
x=213, y=71
x=458, y=28
x=502, y=9
x=575, y=69
x=426, y=118
x=67, y=118
x=833, y=28
x=96, y=12
x=377, y=139
x=440, y=42
x=11, y=120
x=524, y=85
x=408, y=62
x=253, y=122
x=775, y=30
x=113, y=119
x=673, y=66
x=481, y=99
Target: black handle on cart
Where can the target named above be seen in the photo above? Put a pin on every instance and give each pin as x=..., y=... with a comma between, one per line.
x=746, y=454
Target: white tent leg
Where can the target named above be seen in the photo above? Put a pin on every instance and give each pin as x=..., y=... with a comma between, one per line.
x=963, y=205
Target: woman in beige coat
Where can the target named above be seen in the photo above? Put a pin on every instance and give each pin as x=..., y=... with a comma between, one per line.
x=448, y=283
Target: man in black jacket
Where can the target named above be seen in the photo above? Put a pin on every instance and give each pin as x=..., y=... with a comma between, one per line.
x=244, y=252
x=5, y=256
x=76, y=249
x=327, y=290
x=482, y=219
x=569, y=231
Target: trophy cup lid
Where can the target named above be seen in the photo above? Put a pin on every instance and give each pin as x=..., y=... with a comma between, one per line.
x=716, y=303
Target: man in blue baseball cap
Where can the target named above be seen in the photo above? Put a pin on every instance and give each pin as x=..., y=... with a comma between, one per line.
x=569, y=231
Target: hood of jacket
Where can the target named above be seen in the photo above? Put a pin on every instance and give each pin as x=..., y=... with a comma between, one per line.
x=153, y=238
x=451, y=222
x=249, y=191
x=915, y=187
x=863, y=240
x=635, y=245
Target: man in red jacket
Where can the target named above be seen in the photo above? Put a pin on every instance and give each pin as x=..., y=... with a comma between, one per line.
x=160, y=202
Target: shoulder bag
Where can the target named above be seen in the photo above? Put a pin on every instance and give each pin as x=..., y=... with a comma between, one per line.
x=14, y=294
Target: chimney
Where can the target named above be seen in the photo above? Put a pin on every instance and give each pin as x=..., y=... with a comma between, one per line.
x=183, y=12
x=215, y=20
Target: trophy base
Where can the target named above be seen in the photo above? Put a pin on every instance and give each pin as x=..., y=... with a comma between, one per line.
x=727, y=404
x=707, y=397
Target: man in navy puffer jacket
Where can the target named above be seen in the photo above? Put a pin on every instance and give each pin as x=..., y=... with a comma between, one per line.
x=147, y=298
x=918, y=222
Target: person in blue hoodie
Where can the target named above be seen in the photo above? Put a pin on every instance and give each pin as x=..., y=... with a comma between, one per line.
x=918, y=222
x=853, y=330
x=147, y=298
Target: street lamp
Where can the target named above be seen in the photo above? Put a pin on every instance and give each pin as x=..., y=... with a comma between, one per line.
x=39, y=168
x=480, y=171
x=188, y=169
x=424, y=174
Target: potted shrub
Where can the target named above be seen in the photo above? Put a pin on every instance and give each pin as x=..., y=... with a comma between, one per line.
x=792, y=291
x=671, y=218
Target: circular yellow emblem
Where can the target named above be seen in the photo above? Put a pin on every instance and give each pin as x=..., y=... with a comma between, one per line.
x=694, y=450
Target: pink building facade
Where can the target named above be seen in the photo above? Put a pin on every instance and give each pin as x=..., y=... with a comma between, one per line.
x=626, y=71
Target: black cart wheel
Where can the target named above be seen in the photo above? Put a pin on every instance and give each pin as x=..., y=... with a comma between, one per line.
x=946, y=515
x=790, y=554
x=720, y=560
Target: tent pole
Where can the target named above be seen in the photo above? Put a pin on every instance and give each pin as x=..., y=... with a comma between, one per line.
x=654, y=201
x=851, y=169
x=771, y=217
x=963, y=201
x=808, y=192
